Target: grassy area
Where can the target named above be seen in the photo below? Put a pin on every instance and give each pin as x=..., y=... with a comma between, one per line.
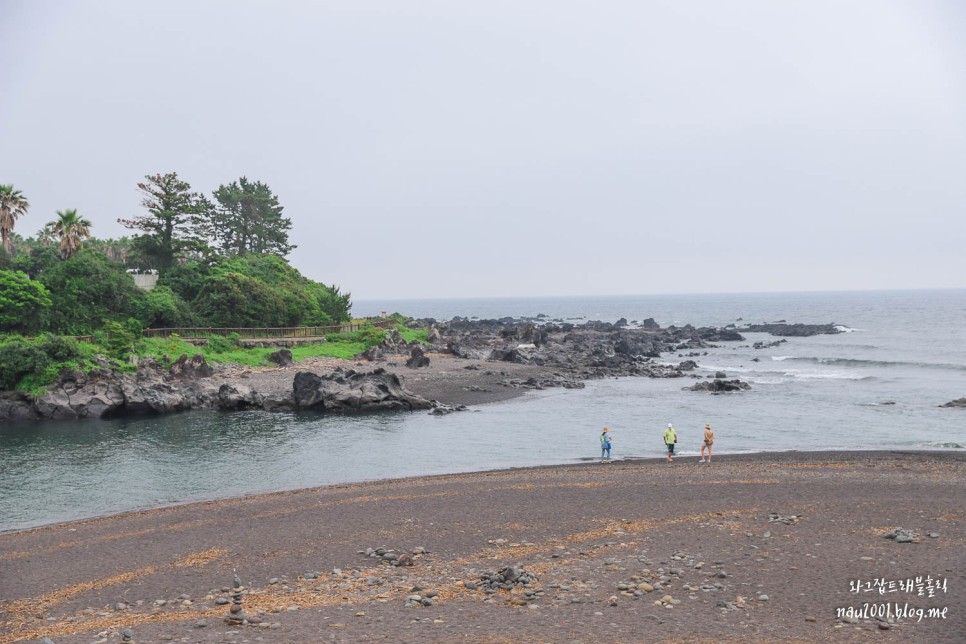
x=30, y=364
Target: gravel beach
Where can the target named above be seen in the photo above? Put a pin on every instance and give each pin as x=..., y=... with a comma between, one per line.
x=791, y=546
x=753, y=548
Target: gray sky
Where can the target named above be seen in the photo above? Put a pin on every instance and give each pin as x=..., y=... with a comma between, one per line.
x=433, y=149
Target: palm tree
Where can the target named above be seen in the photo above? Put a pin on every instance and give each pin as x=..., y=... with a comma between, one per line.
x=12, y=205
x=46, y=234
x=71, y=229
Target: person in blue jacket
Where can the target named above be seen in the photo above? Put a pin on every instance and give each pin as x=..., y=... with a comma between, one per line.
x=604, y=446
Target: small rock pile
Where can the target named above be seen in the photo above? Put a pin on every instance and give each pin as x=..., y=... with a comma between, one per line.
x=774, y=517
x=389, y=557
x=901, y=535
x=421, y=597
x=511, y=578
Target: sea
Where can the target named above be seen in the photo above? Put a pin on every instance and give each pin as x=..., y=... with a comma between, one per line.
x=877, y=385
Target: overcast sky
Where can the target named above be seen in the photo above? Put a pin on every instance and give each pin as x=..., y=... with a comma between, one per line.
x=489, y=148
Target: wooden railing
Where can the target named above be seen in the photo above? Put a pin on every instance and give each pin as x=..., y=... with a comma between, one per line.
x=196, y=333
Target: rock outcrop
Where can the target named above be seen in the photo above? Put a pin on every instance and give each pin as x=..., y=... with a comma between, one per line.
x=282, y=357
x=794, y=330
x=349, y=391
x=959, y=402
x=417, y=358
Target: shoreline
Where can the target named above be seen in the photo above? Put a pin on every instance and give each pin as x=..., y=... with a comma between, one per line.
x=593, y=535
x=733, y=458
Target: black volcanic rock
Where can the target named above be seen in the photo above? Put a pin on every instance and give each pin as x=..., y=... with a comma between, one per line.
x=720, y=386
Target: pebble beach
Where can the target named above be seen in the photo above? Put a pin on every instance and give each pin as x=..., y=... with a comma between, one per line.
x=788, y=546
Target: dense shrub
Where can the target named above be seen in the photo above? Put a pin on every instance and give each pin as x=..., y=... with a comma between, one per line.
x=223, y=344
x=88, y=290
x=304, y=302
x=38, y=261
x=18, y=358
x=161, y=307
x=185, y=280
x=58, y=348
x=235, y=300
x=121, y=338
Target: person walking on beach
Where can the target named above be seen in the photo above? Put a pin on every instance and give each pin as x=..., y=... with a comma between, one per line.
x=670, y=439
x=708, y=441
x=604, y=446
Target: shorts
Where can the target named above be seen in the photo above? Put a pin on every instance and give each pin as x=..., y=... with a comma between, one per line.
x=670, y=448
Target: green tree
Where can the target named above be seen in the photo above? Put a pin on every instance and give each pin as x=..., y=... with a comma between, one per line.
x=12, y=205
x=161, y=307
x=19, y=358
x=46, y=235
x=248, y=219
x=186, y=279
x=87, y=291
x=235, y=300
x=174, y=223
x=71, y=229
x=23, y=303
x=304, y=302
x=37, y=261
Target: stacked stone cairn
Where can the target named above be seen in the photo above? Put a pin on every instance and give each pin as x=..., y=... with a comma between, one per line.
x=235, y=615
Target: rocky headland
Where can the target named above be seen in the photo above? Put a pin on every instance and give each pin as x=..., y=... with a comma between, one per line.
x=465, y=362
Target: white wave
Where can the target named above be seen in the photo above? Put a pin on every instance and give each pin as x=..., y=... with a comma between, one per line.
x=780, y=358
x=711, y=367
x=826, y=375
x=768, y=381
x=941, y=444
x=844, y=329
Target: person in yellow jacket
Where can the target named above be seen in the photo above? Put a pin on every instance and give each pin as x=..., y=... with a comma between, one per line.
x=670, y=439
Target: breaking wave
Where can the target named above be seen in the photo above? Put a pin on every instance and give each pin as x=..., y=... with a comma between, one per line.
x=852, y=362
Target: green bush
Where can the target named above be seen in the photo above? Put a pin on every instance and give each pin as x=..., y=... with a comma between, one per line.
x=163, y=308
x=18, y=358
x=88, y=290
x=121, y=338
x=23, y=302
x=236, y=300
x=59, y=348
x=223, y=344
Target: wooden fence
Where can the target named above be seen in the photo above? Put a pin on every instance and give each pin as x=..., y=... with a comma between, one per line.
x=197, y=333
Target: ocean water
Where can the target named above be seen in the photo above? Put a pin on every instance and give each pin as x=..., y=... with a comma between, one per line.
x=876, y=386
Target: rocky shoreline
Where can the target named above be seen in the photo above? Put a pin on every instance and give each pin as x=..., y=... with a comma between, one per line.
x=511, y=355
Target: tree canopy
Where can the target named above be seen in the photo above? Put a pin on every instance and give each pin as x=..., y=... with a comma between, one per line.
x=174, y=223
x=88, y=290
x=22, y=302
x=247, y=218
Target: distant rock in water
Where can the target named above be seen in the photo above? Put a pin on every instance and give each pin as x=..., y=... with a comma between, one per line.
x=959, y=402
x=717, y=386
x=794, y=330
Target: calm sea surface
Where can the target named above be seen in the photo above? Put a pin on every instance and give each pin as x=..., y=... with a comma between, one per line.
x=877, y=386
